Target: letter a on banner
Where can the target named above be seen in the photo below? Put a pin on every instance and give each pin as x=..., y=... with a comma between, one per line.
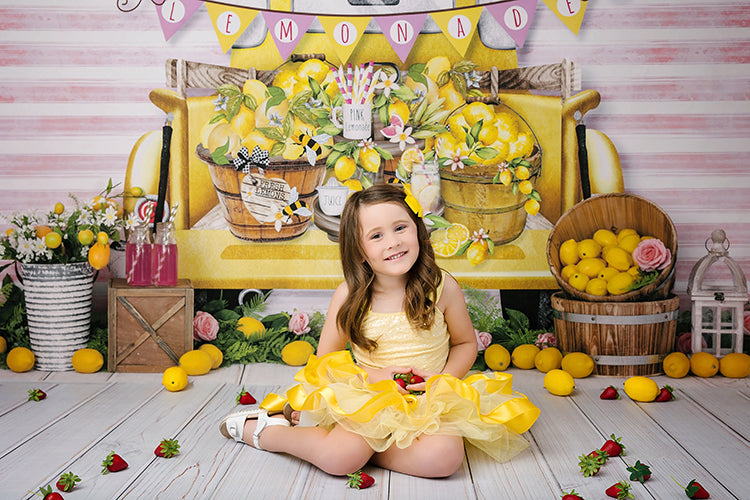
x=515, y=17
x=286, y=29
x=174, y=13
x=229, y=22
x=569, y=11
x=344, y=33
x=458, y=26
x=401, y=31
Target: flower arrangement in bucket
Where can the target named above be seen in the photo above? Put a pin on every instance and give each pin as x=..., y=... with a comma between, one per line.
x=58, y=252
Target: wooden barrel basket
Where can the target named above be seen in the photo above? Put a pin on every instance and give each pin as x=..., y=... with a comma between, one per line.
x=228, y=182
x=623, y=338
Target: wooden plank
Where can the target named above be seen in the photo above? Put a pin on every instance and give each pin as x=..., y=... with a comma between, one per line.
x=730, y=406
x=323, y=486
x=16, y=394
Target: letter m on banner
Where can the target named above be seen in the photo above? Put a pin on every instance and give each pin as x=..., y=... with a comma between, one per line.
x=286, y=29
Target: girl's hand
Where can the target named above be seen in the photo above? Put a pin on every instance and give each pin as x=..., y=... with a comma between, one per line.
x=386, y=373
x=424, y=375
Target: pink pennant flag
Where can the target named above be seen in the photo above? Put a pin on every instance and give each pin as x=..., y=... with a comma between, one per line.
x=174, y=13
x=515, y=17
x=401, y=31
x=286, y=29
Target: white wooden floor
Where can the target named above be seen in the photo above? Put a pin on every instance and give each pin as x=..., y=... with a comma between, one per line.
x=703, y=434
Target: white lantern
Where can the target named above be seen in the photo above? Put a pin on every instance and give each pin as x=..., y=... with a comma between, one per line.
x=717, y=309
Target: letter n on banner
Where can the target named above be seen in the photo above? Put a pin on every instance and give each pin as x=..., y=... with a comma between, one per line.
x=401, y=31
x=344, y=33
x=229, y=22
x=458, y=26
x=515, y=17
x=286, y=29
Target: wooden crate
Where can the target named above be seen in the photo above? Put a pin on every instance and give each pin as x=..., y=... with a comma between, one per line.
x=149, y=327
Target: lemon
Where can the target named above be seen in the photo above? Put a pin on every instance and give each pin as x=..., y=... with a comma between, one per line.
x=676, y=365
x=525, y=187
x=458, y=232
x=85, y=237
x=271, y=116
x=620, y=283
x=568, y=271
x=622, y=233
x=399, y=108
x=458, y=125
x=605, y=237
x=369, y=159
x=619, y=258
x=344, y=168
x=251, y=327
x=641, y=389
x=548, y=359
x=590, y=266
x=476, y=253
x=559, y=382
x=314, y=68
x=297, y=353
x=216, y=355
x=589, y=249
x=522, y=172
x=578, y=281
x=607, y=273
x=87, y=360
x=286, y=79
x=255, y=138
x=629, y=242
x=521, y=147
x=606, y=249
x=497, y=357
x=488, y=134
x=634, y=271
x=196, y=362
x=523, y=356
x=478, y=111
x=255, y=88
x=175, y=378
x=578, y=364
x=704, y=364
x=569, y=252
x=436, y=66
x=20, y=359
x=447, y=241
x=452, y=98
x=507, y=127
x=412, y=156
x=52, y=240
x=735, y=365
x=243, y=122
x=353, y=184
x=596, y=286
x=3, y=345
x=59, y=208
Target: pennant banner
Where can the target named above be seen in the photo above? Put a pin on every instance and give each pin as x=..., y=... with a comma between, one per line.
x=174, y=13
x=515, y=17
x=229, y=22
x=570, y=12
x=344, y=33
x=286, y=29
x=401, y=31
x=458, y=26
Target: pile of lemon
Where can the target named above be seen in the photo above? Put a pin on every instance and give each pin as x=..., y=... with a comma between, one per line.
x=705, y=364
x=603, y=264
x=193, y=363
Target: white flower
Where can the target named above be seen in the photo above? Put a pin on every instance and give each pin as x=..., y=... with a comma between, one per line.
x=220, y=103
x=403, y=137
x=110, y=216
x=131, y=221
x=275, y=119
x=85, y=218
x=40, y=247
x=456, y=160
x=386, y=84
x=473, y=79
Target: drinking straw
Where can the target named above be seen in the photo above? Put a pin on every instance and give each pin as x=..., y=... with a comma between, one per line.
x=349, y=78
x=338, y=77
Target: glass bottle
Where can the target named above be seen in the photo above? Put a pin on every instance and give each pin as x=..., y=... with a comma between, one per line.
x=138, y=251
x=164, y=264
x=425, y=186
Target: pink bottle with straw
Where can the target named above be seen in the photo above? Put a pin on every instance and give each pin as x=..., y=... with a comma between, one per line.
x=138, y=251
x=164, y=263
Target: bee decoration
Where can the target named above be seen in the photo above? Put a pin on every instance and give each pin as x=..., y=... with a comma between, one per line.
x=312, y=146
x=295, y=207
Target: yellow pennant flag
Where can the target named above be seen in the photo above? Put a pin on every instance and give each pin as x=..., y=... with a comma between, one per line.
x=569, y=11
x=229, y=22
x=344, y=33
x=458, y=25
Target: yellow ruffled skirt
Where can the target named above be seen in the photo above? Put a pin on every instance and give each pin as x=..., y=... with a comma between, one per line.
x=481, y=408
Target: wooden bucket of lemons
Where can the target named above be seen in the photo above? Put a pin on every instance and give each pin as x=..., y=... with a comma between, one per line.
x=258, y=207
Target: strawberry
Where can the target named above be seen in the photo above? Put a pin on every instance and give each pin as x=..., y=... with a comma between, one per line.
x=613, y=447
x=665, y=394
x=694, y=489
x=245, y=398
x=572, y=496
x=639, y=472
x=36, y=395
x=416, y=379
x=359, y=480
x=167, y=448
x=401, y=382
x=113, y=463
x=619, y=490
x=48, y=494
x=610, y=393
x=67, y=482
x=591, y=463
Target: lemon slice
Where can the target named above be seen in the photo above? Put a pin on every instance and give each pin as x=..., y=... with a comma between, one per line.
x=446, y=241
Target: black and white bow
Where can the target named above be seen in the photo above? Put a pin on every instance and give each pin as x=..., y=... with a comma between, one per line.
x=245, y=159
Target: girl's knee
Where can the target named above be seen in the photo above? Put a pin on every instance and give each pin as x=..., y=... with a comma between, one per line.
x=342, y=460
x=450, y=449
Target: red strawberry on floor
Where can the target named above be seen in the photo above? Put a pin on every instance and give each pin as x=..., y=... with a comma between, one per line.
x=639, y=472
x=694, y=489
x=619, y=490
x=572, y=496
x=167, y=448
x=610, y=393
x=36, y=395
x=67, y=482
x=359, y=480
x=591, y=463
x=613, y=447
x=665, y=394
x=113, y=463
x=48, y=494
x=245, y=398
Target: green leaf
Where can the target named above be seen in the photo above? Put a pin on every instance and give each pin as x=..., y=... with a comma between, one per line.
x=314, y=85
x=288, y=125
x=249, y=102
x=415, y=72
x=228, y=89
x=331, y=130
x=273, y=133
x=438, y=222
x=217, y=117
x=219, y=154
x=386, y=155
x=277, y=96
x=233, y=106
x=277, y=149
x=462, y=249
x=366, y=182
x=464, y=66
x=487, y=153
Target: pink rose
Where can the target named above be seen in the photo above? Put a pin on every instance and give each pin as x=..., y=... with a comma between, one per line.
x=205, y=326
x=685, y=343
x=484, y=339
x=298, y=323
x=651, y=254
x=545, y=340
x=747, y=322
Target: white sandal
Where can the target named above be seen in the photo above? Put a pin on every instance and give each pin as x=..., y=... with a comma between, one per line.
x=233, y=425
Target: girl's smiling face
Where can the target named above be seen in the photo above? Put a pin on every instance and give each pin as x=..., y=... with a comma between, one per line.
x=390, y=241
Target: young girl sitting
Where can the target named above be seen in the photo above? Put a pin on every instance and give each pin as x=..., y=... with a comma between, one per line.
x=402, y=315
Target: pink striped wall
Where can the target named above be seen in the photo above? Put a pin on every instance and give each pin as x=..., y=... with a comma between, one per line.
x=674, y=77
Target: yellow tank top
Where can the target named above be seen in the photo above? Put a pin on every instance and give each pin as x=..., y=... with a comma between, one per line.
x=400, y=344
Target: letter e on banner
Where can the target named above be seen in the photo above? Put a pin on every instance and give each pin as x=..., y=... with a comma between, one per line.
x=228, y=23
x=568, y=8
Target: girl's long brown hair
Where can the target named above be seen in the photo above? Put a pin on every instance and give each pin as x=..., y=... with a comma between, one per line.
x=424, y=276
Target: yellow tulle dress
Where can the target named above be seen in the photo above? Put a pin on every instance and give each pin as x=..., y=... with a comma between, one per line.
x=482, y=408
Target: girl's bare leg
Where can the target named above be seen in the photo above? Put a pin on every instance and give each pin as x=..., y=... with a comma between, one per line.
x=434, y=455
x=338, y=452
